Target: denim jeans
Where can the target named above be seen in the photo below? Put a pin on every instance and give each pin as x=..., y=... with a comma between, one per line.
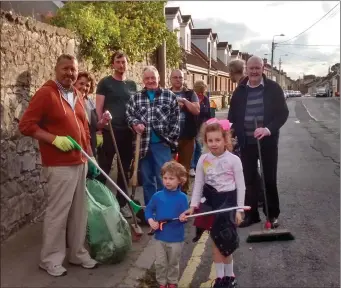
x=196, y=154
x=157, y=155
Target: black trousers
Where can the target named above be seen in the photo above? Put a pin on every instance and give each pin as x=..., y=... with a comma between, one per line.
x=106, y=153
x=249, y=158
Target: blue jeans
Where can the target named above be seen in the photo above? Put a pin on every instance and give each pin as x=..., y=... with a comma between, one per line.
x=196, y=154
x=157, y=155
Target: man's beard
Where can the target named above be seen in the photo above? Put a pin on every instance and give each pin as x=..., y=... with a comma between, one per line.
x=119, y=72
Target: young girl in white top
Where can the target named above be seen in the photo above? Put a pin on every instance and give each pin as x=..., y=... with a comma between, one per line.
x=220, y=179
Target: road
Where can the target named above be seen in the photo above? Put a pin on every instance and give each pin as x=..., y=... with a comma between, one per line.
x=309, y=187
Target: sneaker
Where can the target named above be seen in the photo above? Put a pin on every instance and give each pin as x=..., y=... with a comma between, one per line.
x=274, y=223
x=163, y=286
x=229, y=282
x=54, y=270
x=172, y=286
x=125, y=211
x=218, y=283
x=88, y=264
x=192, y=173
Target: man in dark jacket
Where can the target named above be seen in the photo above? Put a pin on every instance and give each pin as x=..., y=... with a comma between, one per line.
x=263, y=99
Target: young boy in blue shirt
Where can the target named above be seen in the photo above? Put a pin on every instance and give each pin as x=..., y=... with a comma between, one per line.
x=168, y=203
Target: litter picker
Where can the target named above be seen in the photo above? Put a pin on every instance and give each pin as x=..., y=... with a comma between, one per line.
x=268, y=233
x=135, y=228
x=136, y=208
x=165, y=221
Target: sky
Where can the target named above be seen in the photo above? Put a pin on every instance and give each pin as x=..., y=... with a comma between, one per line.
x=250, y=27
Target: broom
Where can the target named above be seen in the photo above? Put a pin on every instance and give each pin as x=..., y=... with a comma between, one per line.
x=135, y=228
x=136, y=208
x=267, y=234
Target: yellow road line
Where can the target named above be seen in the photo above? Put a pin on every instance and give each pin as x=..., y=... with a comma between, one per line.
x=212, y=276
x=193, y=262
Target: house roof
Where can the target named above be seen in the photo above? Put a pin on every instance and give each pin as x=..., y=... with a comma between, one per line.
x=186, y=18
x=230, y=46
x=214, y=35
x=234, y=52
x=221, y=66
x=172, y=10
x=198, y=58
x=223, y=44
x=245, y=56
x=200, y=32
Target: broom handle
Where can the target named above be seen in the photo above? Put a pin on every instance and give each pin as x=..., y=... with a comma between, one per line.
x=262, y=175
x=136, y=159
x=122, y=170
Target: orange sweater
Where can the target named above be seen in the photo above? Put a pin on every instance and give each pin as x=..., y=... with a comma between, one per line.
x=49, y=111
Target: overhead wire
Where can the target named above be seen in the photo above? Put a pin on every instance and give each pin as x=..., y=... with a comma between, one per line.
x=308, y=45
x=311, y=25
x=299, y=55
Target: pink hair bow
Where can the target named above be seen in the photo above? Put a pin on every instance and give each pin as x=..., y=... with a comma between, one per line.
x=225, y=124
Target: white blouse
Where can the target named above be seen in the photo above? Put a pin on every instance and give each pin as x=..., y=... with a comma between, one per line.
x=224, y=173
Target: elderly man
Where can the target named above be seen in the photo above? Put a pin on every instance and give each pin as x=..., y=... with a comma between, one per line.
x=263, y=99
x=237, y=74
x=113, y=93
x=190, y=109
x=154, y=113
x=54, y=112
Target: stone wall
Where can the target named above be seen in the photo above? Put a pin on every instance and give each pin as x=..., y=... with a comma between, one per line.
x=29, y=50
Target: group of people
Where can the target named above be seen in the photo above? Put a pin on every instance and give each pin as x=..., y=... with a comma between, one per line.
x=222, y=179
x=169, y=122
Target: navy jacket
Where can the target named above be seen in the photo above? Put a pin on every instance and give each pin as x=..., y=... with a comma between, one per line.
x=276, y=111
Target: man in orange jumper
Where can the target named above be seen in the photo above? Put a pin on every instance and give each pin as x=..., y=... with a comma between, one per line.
x=54, y=112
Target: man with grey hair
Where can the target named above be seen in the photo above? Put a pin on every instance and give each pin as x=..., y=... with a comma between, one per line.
x=189, y=110
x=260, y=98
x=154, y=114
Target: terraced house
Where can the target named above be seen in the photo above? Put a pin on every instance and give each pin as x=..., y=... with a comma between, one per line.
x=206, y=58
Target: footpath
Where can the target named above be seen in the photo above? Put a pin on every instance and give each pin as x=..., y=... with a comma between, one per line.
x=20, y=258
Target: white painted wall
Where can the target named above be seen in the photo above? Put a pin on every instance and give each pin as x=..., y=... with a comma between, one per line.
x=202, y=44
x=214, y=50
x=222, y=55
x=185, y=34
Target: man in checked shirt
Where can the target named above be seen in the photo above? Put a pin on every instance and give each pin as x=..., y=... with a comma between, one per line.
x=154, y=113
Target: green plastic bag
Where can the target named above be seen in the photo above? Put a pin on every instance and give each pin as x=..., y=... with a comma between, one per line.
x=108, y=232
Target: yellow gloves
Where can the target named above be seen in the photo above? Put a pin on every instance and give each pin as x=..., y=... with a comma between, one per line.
x=63, y=143
x=99, y=140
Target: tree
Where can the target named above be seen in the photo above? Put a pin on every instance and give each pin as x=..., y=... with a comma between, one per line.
x=335, y=67
x=136, y=27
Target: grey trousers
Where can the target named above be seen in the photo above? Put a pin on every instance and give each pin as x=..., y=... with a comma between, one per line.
x=167, y=261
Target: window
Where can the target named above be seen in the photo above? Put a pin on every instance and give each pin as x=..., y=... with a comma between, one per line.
x=208, y=49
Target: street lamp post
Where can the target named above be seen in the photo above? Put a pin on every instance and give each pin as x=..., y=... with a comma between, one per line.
x=280, y=72
x=272, y=52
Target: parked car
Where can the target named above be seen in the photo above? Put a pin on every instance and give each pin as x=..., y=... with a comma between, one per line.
x=321, y=92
